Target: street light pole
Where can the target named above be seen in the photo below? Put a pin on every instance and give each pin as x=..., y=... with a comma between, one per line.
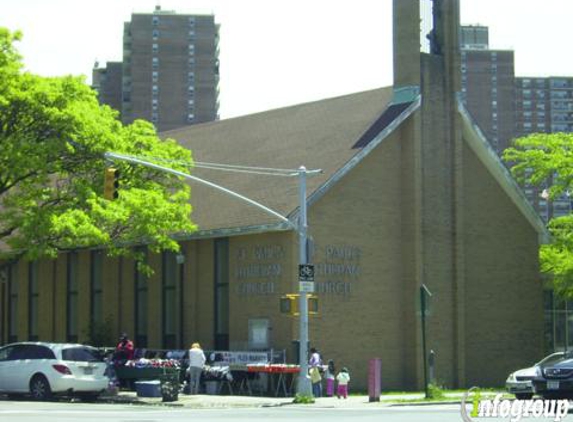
x=303, y=387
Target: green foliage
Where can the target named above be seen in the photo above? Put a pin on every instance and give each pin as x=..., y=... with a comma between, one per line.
x=435, y=392
x=303, y=399
x=53, y=134
x=547, y=160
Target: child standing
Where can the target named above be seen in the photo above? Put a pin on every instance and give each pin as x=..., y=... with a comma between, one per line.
x=343, y=379
x=329, y=375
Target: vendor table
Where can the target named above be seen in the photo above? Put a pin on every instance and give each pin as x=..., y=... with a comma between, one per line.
x=279, y=372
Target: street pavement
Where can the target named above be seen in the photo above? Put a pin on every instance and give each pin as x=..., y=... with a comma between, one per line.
x=68, y=412
x=127, y=407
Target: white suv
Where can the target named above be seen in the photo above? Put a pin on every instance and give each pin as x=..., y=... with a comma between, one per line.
x=44, y=369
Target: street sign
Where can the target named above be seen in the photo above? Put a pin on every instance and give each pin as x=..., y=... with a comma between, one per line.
x=306, y=286
x=306, y=272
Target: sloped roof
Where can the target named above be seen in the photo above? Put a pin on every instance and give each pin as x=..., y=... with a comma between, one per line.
x=482, y=148
x=325, y=135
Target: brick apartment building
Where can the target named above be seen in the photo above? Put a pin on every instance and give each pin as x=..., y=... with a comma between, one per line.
x=169, y=73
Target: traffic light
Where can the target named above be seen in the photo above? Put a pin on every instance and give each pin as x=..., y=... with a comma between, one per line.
x=312, y=304
x=111, y=184
x=289, y=304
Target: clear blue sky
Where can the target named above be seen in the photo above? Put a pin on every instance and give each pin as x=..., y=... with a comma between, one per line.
x=277, y=53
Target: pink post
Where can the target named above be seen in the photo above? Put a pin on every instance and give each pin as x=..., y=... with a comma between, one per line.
x=374, y=375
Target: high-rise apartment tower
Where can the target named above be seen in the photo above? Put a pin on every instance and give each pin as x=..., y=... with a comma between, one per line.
x=170, y=69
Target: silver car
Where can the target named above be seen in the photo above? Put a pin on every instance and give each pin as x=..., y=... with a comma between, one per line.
x=519, y=382
x=44, y=369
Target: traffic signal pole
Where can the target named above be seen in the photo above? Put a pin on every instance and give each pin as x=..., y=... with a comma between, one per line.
x=304, y=386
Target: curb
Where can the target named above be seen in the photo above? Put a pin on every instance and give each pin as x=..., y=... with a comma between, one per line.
x=430, y=403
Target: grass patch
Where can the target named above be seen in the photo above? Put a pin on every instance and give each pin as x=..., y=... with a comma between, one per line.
x=303, y=399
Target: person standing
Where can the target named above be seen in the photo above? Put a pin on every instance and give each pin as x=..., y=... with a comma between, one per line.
x=314, y=364
x=196, y=362
x=124, y=350
x=343, y=379
x=329, y=375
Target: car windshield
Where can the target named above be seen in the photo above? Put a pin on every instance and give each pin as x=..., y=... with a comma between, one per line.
x=82, y=354
x=554, y=358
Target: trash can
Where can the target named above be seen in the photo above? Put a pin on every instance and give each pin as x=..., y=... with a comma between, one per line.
x=211, y=387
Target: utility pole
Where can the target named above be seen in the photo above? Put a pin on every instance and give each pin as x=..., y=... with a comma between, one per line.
x=303, y=387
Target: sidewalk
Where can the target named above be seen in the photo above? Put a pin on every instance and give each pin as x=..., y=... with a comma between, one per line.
x=203, y=401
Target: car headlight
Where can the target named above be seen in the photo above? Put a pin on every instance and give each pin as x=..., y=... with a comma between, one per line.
x=511, y=377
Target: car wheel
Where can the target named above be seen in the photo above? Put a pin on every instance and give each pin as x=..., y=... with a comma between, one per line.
x=524, y=396
x=40, y=388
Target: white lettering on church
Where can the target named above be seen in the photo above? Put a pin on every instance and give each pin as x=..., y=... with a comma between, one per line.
x=259, y=271
x=256, y=288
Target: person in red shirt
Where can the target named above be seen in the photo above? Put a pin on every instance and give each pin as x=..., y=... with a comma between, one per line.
x=124, y=349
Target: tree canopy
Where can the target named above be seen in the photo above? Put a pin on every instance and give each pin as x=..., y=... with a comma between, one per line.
x=53, y=136
x=547, y=160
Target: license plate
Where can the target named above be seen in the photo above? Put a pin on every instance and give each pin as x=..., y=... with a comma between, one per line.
x=553, y=385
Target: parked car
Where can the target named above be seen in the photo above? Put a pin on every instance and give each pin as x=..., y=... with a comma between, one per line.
x=44, y=369
x=520, y=382
x=555, y=380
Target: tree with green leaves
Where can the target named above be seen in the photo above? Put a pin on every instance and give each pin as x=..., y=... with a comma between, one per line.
x=547, y=159
x=53, y=136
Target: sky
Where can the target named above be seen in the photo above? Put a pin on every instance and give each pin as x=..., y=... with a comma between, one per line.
x=275, y=53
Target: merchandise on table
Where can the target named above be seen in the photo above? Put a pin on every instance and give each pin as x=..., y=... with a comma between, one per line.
x=153, y=363
x=274, y=368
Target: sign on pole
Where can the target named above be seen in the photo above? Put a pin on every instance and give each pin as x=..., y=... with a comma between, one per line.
x=306, y=272
x=306, y=286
